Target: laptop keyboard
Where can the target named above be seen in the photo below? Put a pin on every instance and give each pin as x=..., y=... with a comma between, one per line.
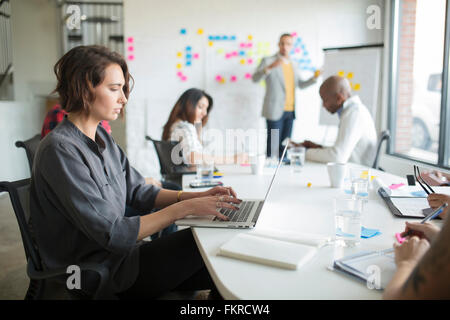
x=241, y=215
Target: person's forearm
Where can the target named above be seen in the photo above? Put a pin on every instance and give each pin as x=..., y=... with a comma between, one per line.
x=394, y=288
x=154, y=222
x=168, y=197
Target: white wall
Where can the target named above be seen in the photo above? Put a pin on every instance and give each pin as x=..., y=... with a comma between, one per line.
x=155, y=26
x=35, y=41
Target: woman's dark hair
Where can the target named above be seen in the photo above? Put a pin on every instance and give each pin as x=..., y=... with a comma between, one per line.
x=80, y=70
x=184, y=109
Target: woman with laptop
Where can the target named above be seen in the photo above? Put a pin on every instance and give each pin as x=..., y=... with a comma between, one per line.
x=82, y=181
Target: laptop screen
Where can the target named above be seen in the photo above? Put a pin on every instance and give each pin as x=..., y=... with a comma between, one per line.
x=276, y=170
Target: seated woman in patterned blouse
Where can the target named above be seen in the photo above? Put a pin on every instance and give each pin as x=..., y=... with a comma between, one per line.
x=186, y=120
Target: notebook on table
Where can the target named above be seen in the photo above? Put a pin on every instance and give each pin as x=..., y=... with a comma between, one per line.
x=375, y=268
x=276, y=248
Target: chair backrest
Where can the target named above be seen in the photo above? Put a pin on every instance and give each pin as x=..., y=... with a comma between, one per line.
x=19, y=193
x=164, y=152
x=384, y=136
x=30, y=147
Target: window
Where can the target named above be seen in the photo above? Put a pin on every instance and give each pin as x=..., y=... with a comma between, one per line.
x=419, y=72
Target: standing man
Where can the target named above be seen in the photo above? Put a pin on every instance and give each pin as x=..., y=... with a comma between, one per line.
x=281, y=78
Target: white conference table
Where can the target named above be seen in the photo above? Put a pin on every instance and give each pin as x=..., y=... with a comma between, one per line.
x=294, y=206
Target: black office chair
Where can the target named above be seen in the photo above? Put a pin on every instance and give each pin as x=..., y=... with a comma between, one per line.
x=384, y=136
x=168, y=168
x=30, y=147
x=46, y=284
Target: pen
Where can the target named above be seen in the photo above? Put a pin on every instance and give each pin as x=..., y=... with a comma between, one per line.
x=435, y=213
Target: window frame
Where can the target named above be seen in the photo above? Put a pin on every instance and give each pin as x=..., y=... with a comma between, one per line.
x=443, y=161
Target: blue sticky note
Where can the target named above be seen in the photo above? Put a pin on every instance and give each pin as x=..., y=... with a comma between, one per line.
x=369, y=233
x=188, y=56
x=183, y=31
x=217, y=38
x=233, y=38
x=419, y=193
x=188, y=63
x=241, y=53
x=210, y=38
x=188, y=48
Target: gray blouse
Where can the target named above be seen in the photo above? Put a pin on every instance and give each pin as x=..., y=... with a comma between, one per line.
x=79, y=189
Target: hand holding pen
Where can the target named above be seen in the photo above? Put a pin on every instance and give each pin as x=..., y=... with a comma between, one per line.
x=424, y=229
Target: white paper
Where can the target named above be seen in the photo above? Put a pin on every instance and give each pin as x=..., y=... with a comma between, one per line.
x=411, y=206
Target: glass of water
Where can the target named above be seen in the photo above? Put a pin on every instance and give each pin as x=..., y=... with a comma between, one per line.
x=348, y=216
x=360, y=179
x=297, y=158
x=205, y=171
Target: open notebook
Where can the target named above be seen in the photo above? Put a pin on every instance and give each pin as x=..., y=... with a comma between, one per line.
x=376, y=268
x=277, y=248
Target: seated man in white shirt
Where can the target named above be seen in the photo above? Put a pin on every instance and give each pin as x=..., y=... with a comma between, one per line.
x=357, y=139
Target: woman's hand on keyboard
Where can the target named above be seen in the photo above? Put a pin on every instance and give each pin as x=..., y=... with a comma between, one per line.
x=220, y=191
x=210, y=205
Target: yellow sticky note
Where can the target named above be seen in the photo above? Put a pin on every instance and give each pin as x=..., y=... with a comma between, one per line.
x=222, y=80
x=250, y=37
x=200, y=31
x=309, y=184
x=357, y=87
x=242, y=61
x=220, y=51
x=250, y=53
x=350, y=75
x=210, y=43
x=341, y=73
x=179, y=54
x=179, y=66
x=316, y=73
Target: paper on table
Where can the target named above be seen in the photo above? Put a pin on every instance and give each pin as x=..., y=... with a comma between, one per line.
x=411, y=206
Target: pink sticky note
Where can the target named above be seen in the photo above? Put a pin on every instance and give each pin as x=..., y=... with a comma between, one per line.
x=131, y=57
x=297, y=50
x=242, y=45
x=233, y=78
x=183, y=78
x=218, y=78
x=249, y=61
x=130, y=48
x=399, y=238
x=294, y=34
x=235, y=53
x=245, y=164
x=396, y=186
x=248, y=76
x=130, y=39
x=249, y=45
x=179, y=73
x=196, y=55
x=228, y=56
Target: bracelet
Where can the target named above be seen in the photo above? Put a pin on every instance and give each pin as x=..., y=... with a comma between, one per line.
x=178, y=195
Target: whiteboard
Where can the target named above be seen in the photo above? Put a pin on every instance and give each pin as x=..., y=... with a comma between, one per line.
x=361, y=66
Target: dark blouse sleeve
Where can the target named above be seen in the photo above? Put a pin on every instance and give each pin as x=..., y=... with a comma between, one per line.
x=69, y=184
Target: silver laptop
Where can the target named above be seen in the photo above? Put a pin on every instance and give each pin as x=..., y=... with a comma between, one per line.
x=245, y=217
